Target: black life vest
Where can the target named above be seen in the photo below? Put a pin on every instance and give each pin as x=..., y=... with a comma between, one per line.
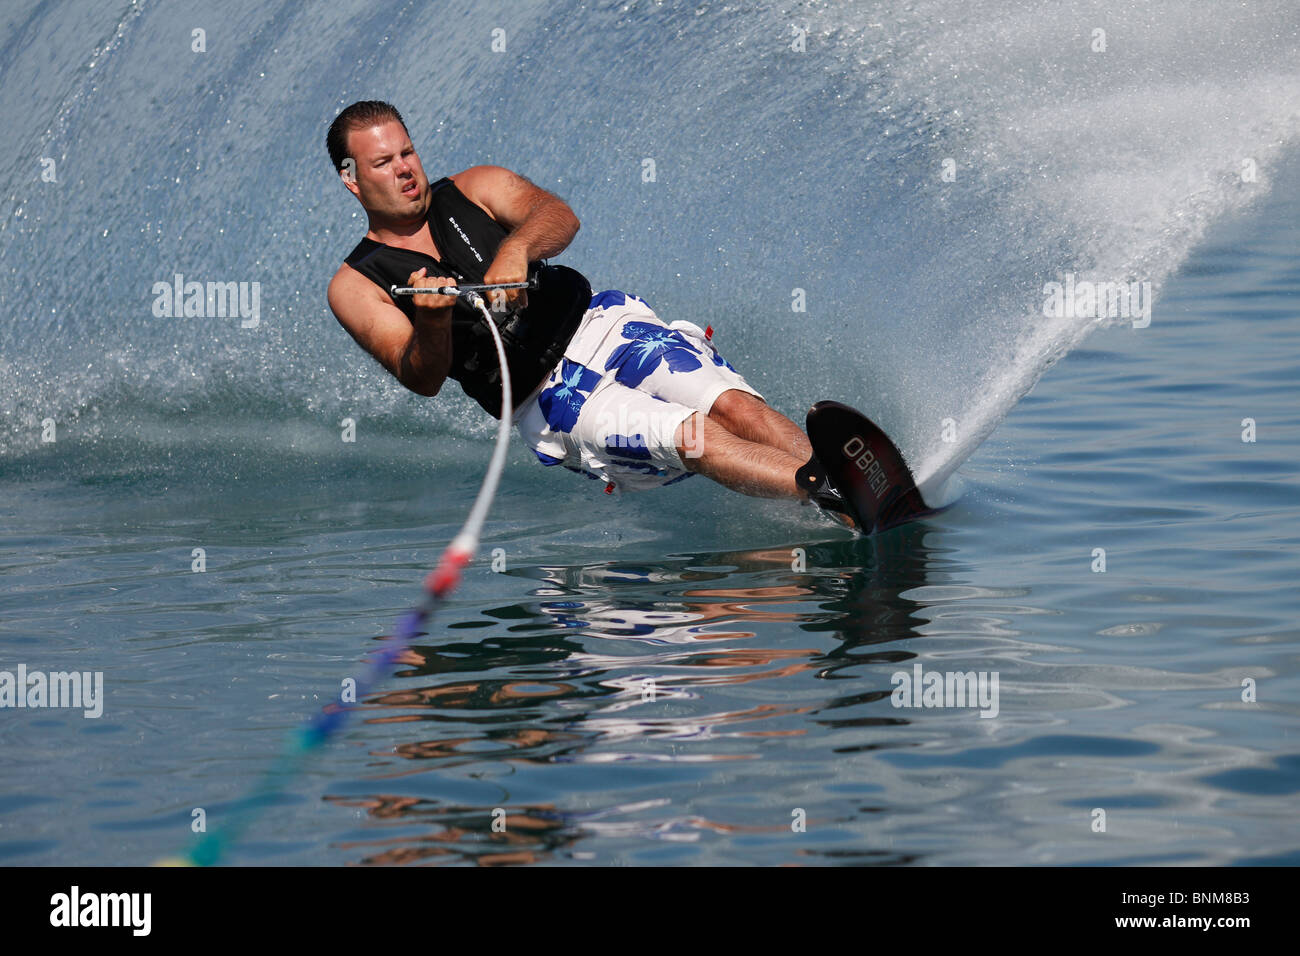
x=535, y=338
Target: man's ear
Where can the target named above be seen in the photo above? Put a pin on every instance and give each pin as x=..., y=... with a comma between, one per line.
x=348, y=173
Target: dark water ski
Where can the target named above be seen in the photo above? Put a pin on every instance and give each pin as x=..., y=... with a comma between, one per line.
x=862, y=464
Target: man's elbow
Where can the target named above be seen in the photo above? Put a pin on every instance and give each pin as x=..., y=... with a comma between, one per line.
x=412, y=377
x=421, y=388
x=566, y=215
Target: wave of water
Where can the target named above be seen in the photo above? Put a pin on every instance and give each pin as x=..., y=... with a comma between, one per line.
x=775, y=170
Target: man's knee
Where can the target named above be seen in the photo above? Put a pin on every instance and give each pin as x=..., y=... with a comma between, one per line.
x=735, y=406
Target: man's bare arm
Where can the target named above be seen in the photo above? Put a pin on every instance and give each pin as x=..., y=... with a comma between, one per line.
x=541, y=224
x=417, y=353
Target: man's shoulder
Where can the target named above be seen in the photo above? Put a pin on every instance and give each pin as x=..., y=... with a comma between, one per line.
x=348, y=285
x=344, y=276
x=485, y=186
x=476, y=177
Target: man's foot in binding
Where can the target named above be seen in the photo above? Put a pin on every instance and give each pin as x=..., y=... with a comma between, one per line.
x=811, y=477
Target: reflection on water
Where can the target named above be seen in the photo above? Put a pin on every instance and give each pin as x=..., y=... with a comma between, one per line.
x=699, y=659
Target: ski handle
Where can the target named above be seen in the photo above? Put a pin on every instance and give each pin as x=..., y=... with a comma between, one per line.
x=465, y=290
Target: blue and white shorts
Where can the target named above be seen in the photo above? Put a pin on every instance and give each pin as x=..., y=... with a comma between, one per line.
x=611, y=408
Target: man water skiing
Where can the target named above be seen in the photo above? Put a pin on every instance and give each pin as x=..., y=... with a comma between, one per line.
x=602, y=385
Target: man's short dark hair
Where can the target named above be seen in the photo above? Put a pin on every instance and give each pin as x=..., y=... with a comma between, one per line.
x=359, y=115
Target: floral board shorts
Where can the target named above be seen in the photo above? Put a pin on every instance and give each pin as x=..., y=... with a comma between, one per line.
x=611, y=408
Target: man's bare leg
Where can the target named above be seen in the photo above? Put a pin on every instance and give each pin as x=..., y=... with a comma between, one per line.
x=748, y=416
x=752, y=468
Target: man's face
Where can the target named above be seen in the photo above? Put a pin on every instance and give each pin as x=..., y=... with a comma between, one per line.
x=390, y=181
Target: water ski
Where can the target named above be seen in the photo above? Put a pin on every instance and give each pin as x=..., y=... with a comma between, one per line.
x=859, y=462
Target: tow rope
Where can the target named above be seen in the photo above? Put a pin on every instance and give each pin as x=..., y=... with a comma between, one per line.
x=439, y=583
